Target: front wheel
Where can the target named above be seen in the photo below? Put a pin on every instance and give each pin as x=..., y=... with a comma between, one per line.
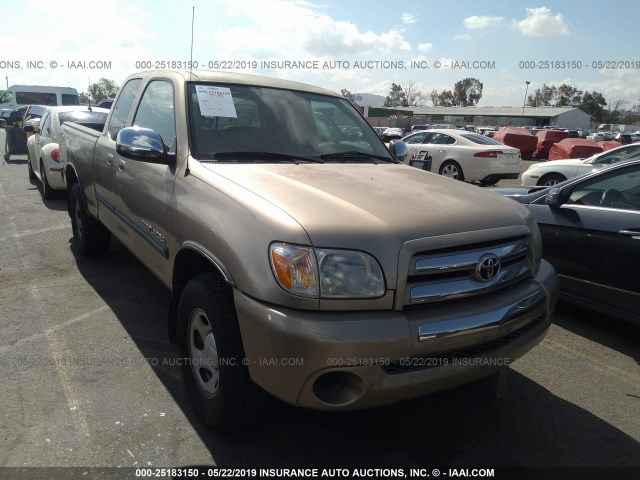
x=213, y=361
x=451, y=169
x=551, y=179
x=90, y=236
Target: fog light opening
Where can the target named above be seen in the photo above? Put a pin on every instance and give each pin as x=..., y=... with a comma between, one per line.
x=338, y=388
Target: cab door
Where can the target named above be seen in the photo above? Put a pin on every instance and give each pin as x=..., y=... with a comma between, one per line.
x=144, y=189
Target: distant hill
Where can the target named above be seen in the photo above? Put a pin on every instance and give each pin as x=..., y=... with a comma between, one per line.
x=368, y=99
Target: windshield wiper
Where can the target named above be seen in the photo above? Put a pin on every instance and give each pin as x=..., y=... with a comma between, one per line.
x=355, y=154
x=260, y=156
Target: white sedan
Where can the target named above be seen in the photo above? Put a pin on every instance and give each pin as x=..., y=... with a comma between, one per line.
x=44, y=161
x=549, y=173
x=463, y=155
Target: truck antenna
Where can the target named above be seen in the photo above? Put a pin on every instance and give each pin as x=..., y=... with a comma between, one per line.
x=193, y=14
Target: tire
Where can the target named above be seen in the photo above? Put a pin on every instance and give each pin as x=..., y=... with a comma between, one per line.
x=451, y=169
x=47, y=192
x=32, y=175
x=550, y=179
x=91, y=237
x=222, y=392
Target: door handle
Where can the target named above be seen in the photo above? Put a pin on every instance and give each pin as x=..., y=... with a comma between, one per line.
x=109, y=162
x=121, y=168
x=635, y=234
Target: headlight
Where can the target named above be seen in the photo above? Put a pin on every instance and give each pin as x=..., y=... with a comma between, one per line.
x=536, y=244
x=326, y=273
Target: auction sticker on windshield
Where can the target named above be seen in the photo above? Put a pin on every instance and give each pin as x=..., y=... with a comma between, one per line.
x=215, y=101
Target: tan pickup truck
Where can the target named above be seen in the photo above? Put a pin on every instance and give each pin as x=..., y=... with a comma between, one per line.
x=303, y=258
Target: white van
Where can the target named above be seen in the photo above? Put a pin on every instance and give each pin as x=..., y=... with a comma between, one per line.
x=18, y=95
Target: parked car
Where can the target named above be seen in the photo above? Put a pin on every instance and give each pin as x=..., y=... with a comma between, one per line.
x=590, y=229
x=550, y=173
x=624, y=138
x=573, y=148
x=464, y=155
x=44, y=162
x=416, y=128
x=596, y=136
x=546, y=139
x=106, y=103
x=392, y=133
x=519, y=138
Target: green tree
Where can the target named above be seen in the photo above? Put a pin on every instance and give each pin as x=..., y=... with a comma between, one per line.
x=442, y=99
x=100, y=90
x=593, y=103
x=396, y=97
x=467, y=92
x=566, y=95
x=349, y=96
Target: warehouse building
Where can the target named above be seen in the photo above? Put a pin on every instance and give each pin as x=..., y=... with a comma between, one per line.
x=404, y=117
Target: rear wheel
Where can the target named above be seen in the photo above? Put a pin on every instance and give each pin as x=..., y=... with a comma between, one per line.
x=91, y=237
x=47, y=192
x=213, y=360
x=451, y=169
x=551, y=179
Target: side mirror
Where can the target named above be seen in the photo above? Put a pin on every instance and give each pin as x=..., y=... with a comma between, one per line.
x=29, y=129
x=142, y=144
x=398, y=149
x=553, y=197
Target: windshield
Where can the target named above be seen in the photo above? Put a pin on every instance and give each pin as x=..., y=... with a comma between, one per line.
x=227, y=119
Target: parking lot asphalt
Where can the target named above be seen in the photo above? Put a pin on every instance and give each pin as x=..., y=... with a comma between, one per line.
x=89, y=378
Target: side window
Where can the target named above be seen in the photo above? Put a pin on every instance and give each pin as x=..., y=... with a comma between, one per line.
x=156, y=110
x=6, y=97
x=45, y=125
x=442, y=139
x=621, y=187
x=418, y=138
x=122, y=107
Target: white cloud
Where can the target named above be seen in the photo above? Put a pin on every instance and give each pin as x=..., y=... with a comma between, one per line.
x=540, y=22
x=425, y=47
x=464, y=36
x=476, y=22
x=306, y=32
x=408, y=18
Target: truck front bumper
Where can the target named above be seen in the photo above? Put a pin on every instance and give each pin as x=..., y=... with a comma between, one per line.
x=346, y=360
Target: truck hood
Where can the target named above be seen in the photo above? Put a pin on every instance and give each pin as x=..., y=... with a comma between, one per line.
x=361, y=202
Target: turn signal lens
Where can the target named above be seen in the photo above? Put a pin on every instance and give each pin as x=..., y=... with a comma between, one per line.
x=295, y=268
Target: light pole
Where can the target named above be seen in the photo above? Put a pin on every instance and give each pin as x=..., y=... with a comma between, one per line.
x=525, y=97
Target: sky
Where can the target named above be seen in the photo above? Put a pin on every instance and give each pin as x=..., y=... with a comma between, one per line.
x=362, y=46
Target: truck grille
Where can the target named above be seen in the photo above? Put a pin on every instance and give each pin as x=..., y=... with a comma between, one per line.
x=472, y=270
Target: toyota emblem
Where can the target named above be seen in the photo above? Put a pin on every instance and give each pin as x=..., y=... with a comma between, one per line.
x=487, y=268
